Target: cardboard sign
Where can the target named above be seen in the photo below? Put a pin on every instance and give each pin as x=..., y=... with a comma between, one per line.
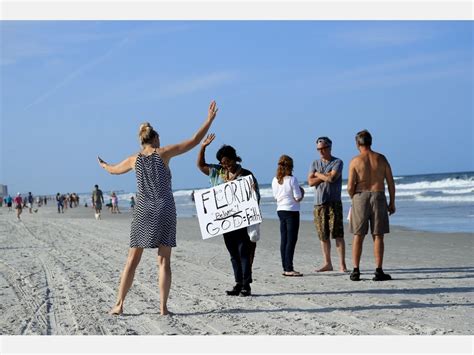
x=227, y=207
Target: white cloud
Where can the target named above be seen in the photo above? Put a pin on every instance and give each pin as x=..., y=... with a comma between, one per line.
x=32, y=40
x=416, y=68
x=74, y=74
x=196, y=84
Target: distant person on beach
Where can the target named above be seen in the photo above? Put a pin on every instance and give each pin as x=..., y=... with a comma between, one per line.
x=238, y=243
x=30, y=199
x=325, y=174
x=60, y=202
x=154, y=218
x=8, y=201
x=132, y=203
x=18, y=205
x=367, y=173
x=97, y=201
x=115, y=208
x=109, y=206
x=288, y=194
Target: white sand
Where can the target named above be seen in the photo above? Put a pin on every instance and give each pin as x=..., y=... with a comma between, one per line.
x=59, y=274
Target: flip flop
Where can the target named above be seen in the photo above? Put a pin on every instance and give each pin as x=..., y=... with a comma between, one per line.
x=292, y=273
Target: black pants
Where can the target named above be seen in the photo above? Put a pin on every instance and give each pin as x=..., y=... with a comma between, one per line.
x=238, y=245
x=289, y=226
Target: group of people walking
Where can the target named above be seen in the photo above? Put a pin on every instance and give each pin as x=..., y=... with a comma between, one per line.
x=21, y=203
x=65, y=200
x=154, y=216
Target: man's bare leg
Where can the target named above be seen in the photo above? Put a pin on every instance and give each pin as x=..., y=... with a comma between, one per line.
x=378, y=253
x=358, y=242
x=164, y=280
x=326, y=248
x=341, y=250
x=378, y=250
x=133, y=259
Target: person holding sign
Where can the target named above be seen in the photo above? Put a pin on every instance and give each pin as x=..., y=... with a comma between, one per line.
x=154, y=216
x=241, y=249
x=288, y=194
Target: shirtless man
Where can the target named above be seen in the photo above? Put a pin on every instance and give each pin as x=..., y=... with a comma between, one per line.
x=367, y=173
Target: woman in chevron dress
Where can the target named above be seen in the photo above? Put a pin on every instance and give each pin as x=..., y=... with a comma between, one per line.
x=154, y=217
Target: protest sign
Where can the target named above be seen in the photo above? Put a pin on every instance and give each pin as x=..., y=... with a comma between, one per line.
x=227, y=207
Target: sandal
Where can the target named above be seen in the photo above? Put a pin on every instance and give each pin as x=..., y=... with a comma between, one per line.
x=292, y=273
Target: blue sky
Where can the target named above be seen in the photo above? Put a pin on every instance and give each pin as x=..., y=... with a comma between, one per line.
x=71, y=90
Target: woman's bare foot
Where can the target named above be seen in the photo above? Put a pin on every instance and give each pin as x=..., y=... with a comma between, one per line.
x=327, y=267
x=116, y=310
x=165, y=312
x=343, y=268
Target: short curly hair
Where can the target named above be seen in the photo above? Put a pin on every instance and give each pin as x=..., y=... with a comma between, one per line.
x=229, y=152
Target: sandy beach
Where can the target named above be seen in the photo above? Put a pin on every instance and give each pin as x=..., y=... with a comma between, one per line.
x=59, y=275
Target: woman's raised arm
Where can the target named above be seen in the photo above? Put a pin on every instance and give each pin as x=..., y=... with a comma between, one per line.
x=172, y=150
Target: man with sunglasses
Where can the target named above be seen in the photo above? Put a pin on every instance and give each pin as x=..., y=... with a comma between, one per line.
x=325, y=174
x=366, y=186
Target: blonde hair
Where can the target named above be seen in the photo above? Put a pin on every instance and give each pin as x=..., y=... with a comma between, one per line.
x=285, y=168
x=146, y=133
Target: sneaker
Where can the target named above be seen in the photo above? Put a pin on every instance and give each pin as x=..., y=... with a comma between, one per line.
x=381, y=276
x=355, y=275
x=235, y=290
x=245, y=291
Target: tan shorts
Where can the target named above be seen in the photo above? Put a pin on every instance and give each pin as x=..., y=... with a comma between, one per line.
x=328, y=220
x=369, y=207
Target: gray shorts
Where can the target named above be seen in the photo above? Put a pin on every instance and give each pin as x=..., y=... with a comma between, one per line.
x=369, y=207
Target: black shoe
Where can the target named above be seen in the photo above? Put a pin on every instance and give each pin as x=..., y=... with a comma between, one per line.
x=245, y=291
x=381, y=276
x=355, y=275
x=235, y=291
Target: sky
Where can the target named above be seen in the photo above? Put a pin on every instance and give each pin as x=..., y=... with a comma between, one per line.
x=72, y=90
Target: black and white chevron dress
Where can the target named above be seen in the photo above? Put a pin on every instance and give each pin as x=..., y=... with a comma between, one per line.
x=154, y=216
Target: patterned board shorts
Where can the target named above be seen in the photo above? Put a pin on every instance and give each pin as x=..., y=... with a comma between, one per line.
x=328, y=220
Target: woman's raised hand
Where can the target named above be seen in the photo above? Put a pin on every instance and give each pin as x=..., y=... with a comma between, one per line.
x=101, y=162
x=212, y=111
x=208, y=140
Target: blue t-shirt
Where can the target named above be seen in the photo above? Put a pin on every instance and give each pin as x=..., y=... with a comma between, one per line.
x=327, y=191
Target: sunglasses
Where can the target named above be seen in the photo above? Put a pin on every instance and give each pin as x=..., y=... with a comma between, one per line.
x=324, y=140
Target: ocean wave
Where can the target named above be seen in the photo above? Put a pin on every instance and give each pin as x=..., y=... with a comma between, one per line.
x=268, y=192
x=179, y=193
x=449, y=183
x=463, y=199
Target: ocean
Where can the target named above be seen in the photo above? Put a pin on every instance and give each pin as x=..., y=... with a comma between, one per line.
x=429, y=202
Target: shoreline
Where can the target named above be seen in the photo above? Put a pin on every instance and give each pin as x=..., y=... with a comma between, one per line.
x=59, y=275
